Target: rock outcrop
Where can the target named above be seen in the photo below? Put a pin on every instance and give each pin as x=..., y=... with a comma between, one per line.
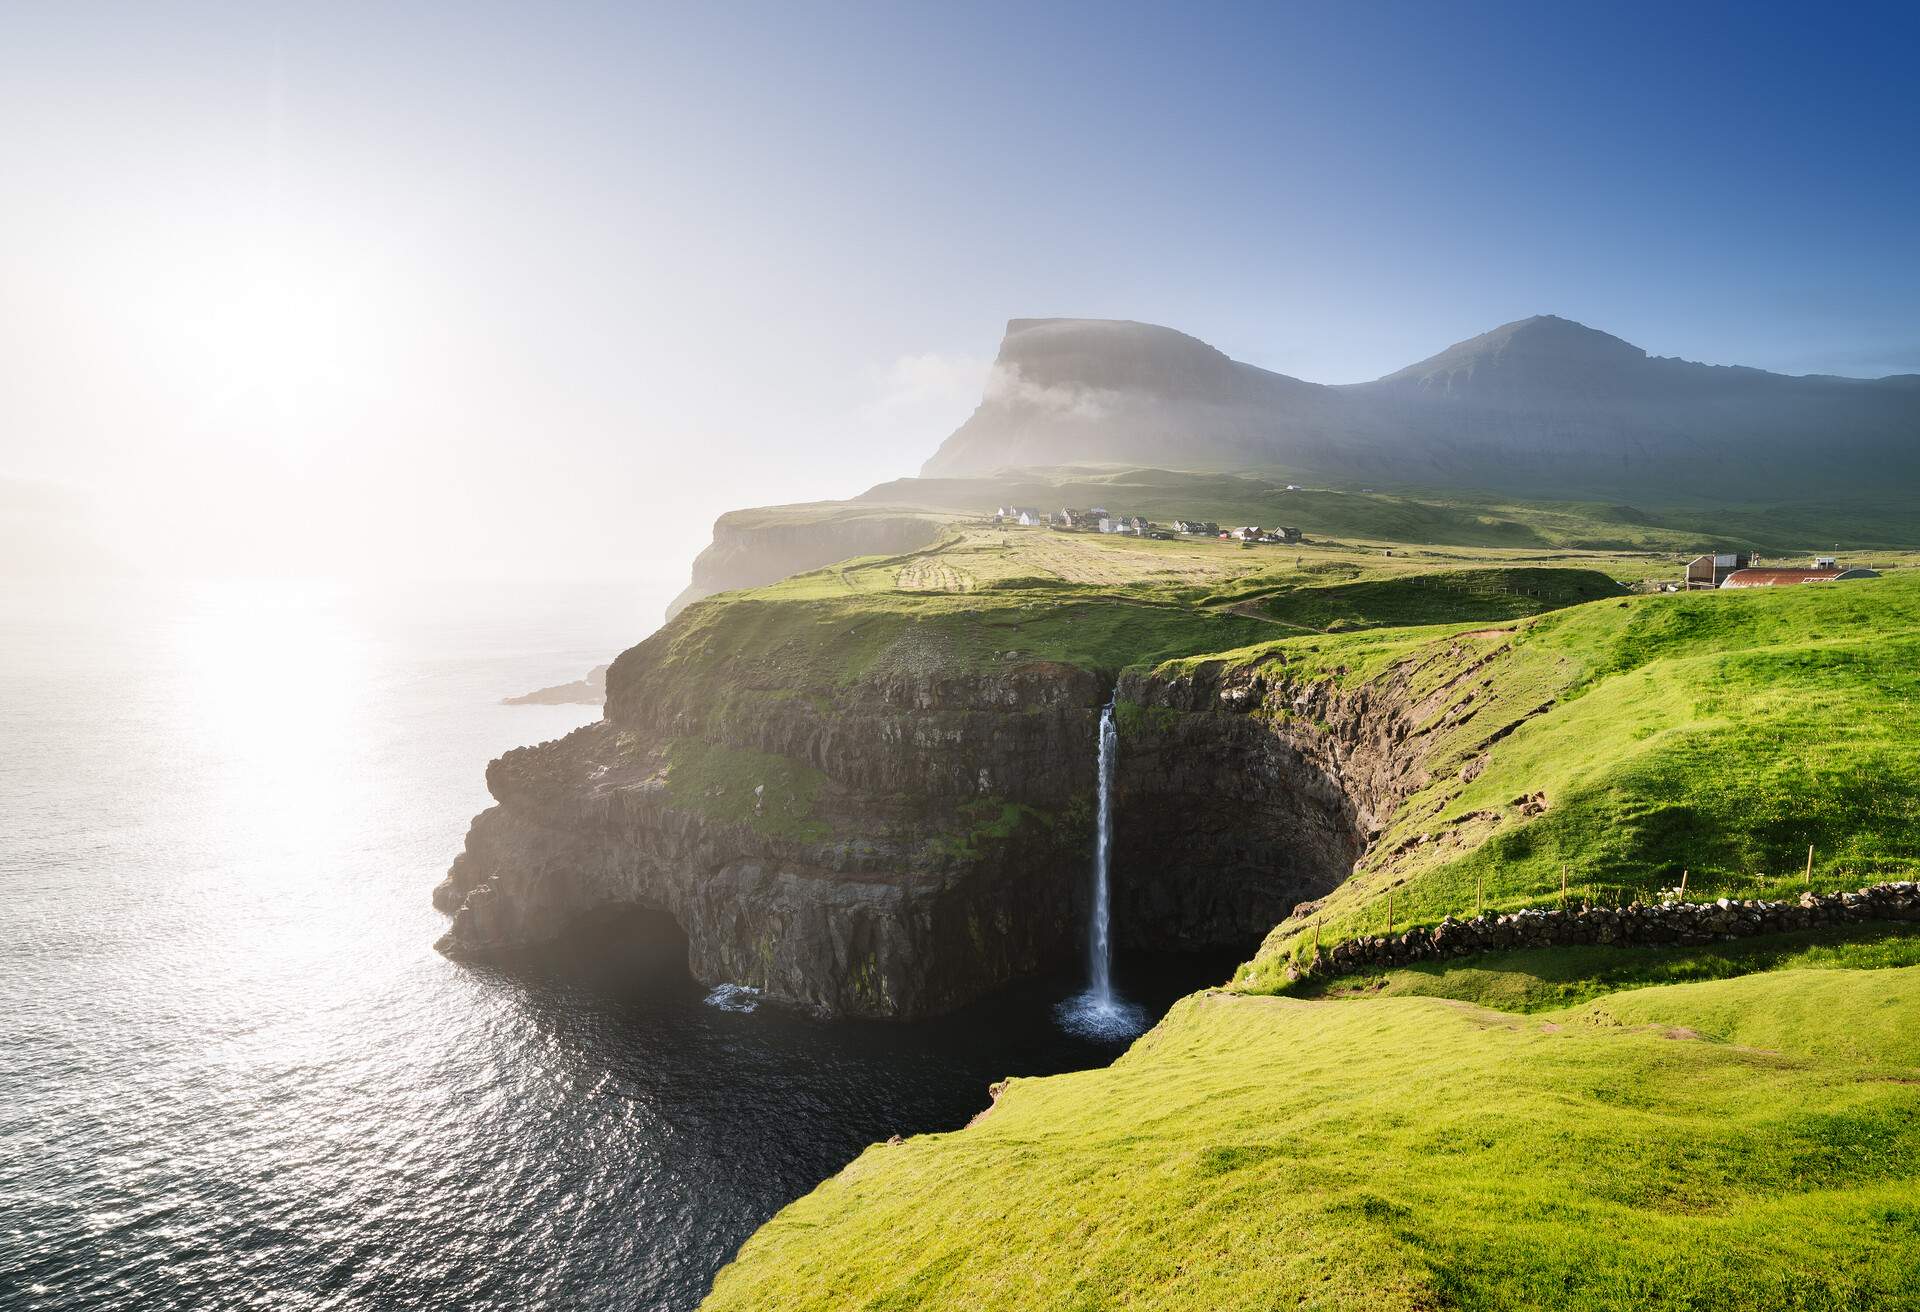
x=588, y=691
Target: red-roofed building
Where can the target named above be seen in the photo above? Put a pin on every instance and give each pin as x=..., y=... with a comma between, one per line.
x=1771, y=578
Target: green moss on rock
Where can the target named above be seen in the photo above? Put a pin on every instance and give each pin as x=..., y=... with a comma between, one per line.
x=770, y=794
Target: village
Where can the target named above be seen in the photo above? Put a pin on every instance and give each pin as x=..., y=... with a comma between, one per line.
x=1100, y=520
x=1712, y=570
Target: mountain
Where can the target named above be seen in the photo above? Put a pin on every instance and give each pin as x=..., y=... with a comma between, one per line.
x=1080, y=391
x=1542, y=405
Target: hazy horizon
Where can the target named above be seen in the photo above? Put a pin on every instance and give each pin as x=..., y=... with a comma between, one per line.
x=497, y=292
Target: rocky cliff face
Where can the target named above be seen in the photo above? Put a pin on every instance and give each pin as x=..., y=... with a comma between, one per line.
x=1244, y=792
x=891, y=848
x=899, y=845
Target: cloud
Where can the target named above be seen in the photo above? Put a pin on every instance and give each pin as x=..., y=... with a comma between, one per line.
x=916, y=401
x=934, y=393
x=1008, y=386
x=932, y=377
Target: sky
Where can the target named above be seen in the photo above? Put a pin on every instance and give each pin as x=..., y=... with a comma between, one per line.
x=536, y=291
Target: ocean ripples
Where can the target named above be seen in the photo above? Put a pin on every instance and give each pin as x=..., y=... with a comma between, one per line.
x=237, y=1076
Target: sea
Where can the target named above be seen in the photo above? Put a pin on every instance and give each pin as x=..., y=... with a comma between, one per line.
x=235, y=1074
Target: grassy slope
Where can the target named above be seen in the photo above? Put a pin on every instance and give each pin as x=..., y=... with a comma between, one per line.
x=823, y=641
x=1716, y=733
x=982, y=597
x=1488, y=595
x=1698, y=1146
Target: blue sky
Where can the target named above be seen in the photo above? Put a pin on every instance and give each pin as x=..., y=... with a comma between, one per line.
x=581, y=268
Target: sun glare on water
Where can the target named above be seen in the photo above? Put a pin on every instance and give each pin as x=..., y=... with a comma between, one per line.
x=275, y=691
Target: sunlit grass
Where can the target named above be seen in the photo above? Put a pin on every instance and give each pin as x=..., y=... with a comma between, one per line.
x=1695, y=1146
x=1709, y=737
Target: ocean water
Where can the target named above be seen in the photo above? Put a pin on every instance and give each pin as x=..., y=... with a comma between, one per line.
x=234, y=1073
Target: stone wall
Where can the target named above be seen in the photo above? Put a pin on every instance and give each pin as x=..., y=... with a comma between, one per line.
x=1658, y=923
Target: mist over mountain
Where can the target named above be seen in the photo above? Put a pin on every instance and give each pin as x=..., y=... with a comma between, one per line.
x=1542, y=405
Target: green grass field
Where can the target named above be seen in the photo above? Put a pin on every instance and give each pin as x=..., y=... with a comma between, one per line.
x=1489, y=595
x=1698, y=1146
x=984, y=597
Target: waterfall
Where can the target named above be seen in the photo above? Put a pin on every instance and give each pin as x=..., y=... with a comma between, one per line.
x=1098, y=1013
x=1099, y=948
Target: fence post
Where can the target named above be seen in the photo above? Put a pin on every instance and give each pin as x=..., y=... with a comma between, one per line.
x=1683, y=885
x=1809, y=865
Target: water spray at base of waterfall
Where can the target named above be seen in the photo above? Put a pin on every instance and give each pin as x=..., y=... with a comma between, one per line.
x=1090, y=1017
x=1099, y=1013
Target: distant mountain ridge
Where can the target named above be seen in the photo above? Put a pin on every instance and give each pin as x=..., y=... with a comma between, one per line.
x=1542, y=405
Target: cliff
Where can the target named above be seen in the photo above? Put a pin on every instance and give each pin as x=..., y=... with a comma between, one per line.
x=846, y=851
x=853, y=805
x=751, y=548
x=867, y=791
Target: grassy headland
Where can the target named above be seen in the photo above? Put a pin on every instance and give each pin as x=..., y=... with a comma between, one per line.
x=1727, y=1127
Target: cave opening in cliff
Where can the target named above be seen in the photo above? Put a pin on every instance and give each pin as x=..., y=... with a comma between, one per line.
x=615, y=949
